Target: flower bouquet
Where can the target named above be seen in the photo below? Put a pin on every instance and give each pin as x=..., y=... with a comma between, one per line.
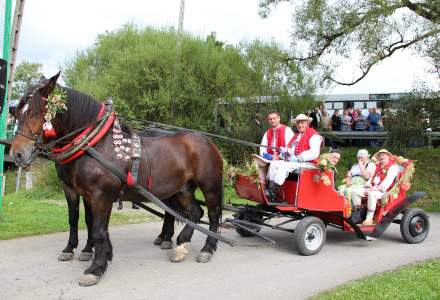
x=324, y=166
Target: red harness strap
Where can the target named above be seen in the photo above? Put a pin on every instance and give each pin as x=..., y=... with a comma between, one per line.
x=92, y=142
x=83, y=133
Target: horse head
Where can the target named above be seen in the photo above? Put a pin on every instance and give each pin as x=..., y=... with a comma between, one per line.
x=30, y=114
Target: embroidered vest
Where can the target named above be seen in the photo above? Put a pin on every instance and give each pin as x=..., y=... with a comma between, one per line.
x=304, y=142
x=382, y=173
x=280, y=139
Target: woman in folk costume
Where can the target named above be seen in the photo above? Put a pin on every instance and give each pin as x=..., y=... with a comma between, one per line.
x=275, y=137
x=359, y=174
x=302, y=151
x=380, y=182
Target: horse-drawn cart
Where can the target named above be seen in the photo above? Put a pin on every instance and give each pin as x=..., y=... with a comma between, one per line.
x=315, y=205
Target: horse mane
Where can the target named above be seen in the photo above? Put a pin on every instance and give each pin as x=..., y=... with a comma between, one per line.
x=82, y=109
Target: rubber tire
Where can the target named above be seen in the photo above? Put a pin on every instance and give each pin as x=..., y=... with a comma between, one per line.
x=406, y=225
x=242, y=232
x=300, y=232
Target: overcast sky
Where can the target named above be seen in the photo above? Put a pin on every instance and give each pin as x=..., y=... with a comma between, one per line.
x=54, y=30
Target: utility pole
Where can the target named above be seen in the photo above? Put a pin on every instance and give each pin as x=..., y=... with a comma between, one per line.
x=178, y=43
x=15, y=37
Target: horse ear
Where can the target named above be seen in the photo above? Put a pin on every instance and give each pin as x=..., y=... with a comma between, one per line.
x=47, y=89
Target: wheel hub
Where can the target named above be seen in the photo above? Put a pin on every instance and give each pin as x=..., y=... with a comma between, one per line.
x=313, y=237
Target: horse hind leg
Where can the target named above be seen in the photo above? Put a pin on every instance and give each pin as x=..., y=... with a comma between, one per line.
x=87, y=253
x=72, y=199
x=213, y=201
x=194, y=213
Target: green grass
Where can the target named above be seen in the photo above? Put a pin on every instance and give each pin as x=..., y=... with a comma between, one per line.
x=420, y=281
x=35, y=212
x=425, y=179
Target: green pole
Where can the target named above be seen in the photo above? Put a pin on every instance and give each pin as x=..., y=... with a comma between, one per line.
x=6, y=44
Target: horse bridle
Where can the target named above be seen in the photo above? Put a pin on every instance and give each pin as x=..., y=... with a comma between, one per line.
x=36, y=137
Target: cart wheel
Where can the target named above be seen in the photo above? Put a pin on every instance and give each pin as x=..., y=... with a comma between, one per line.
x=243, y=232
x=414, y=226
x=309, y=235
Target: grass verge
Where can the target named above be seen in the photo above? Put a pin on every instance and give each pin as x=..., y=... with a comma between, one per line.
x=35, y=212
x=419, y=281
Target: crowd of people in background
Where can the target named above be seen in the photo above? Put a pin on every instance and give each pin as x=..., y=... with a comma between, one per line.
x=347, y=120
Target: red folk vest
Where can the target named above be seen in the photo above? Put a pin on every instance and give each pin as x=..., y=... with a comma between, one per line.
x=304, y=142
x=280, y=139
x=382, y=173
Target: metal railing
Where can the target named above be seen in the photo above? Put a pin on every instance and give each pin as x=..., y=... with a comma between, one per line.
x=370, y=135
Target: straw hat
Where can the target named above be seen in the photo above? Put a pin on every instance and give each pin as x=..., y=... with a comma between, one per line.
x=363, y=153
x=302, y=117
x=376, y=155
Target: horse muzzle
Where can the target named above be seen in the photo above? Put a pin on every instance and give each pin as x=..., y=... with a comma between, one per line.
x=24, y=156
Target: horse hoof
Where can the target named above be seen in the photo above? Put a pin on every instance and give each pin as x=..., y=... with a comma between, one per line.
x=166, y=245
x=65, y=256
x=204, y=257
x=180, y=252
x=89, y=279
x=158, y=241
x=85, y=256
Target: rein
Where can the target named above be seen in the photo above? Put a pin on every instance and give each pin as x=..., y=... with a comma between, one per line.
x=165, y=128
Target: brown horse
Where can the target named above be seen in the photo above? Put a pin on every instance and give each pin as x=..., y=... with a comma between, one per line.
x=171, y=167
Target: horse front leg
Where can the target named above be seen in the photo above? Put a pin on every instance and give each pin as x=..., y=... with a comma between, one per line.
x=72, y=199
x=101, y=210
x=87, y=253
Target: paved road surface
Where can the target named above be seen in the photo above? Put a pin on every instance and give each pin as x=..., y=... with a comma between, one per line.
x=252, y=270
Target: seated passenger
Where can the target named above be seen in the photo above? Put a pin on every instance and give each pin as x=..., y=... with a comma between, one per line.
x=302, y=152
x=358, y=175
x=275, y=137
x=379, y=183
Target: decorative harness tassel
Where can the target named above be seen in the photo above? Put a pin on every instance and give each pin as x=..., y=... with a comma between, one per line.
x=48, y=130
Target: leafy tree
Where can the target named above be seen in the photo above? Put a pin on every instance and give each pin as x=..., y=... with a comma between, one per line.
x=371, y=29
x=141, y=69
x=207, y=80
x=26, y=74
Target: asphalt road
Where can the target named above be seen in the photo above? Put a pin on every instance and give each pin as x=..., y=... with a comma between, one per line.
x=252, y=270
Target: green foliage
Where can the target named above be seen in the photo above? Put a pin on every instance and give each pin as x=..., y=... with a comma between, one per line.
x=149, y=79
x=330, y=32
x=418, y=281
x=25, y=74
x=407, y=120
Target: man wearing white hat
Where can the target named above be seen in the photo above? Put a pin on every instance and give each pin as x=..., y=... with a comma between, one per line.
x=379, y=183
x=302, y=151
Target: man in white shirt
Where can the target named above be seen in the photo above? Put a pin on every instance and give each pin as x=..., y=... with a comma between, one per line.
x=379, y=183
x=277, y=136
x=302, y=151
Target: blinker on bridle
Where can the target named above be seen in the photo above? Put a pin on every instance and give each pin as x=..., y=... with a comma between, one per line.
x=36, y=137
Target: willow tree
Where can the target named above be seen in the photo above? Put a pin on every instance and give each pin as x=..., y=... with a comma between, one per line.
x=373, y=30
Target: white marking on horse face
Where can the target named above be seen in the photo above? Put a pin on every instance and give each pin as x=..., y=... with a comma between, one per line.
x=25, y=108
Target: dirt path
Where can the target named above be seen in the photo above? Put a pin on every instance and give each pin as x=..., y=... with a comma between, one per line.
x=253, y=270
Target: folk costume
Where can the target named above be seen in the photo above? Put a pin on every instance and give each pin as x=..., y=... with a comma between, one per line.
x=302, y=152
x=275, y=137
x=384, y=178
x=358, y=179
